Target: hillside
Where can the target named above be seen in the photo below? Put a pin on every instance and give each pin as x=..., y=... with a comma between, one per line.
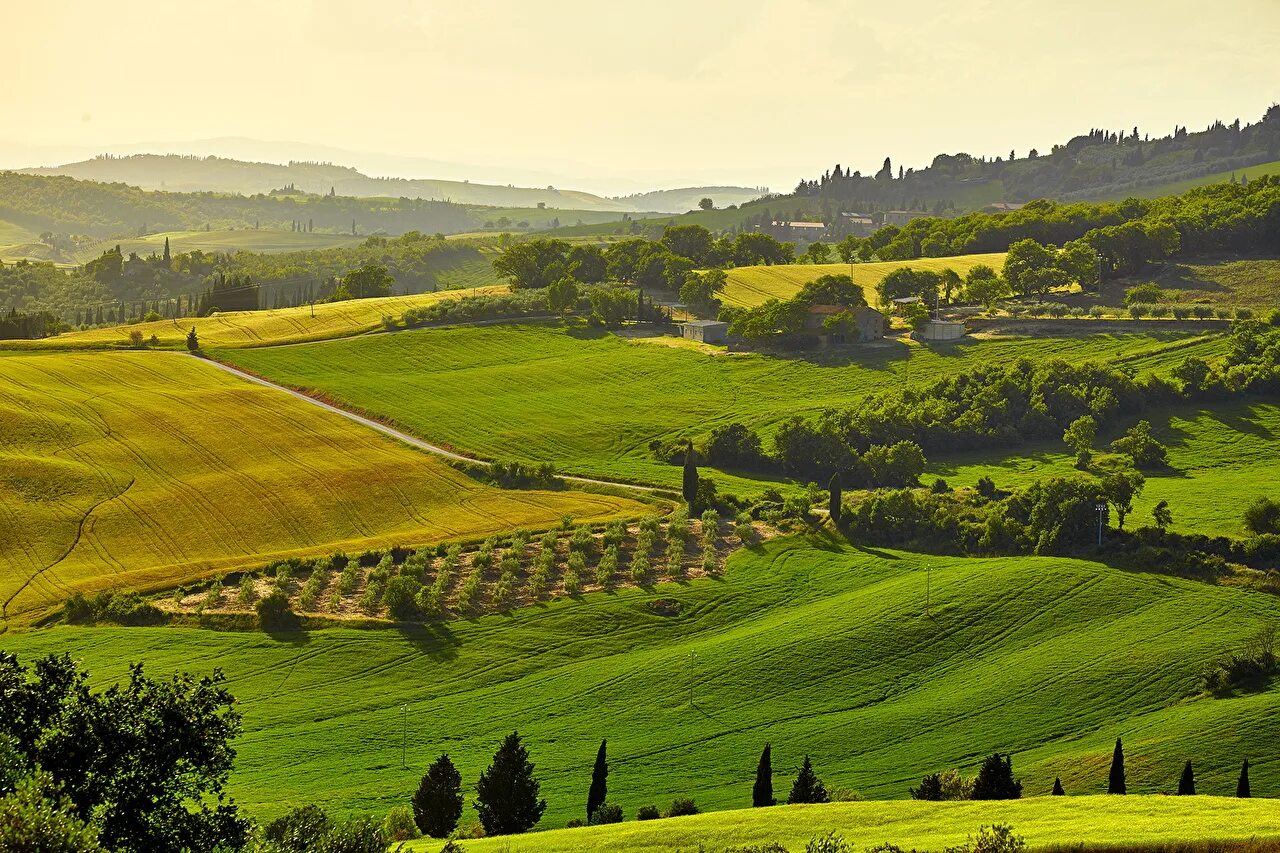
x=815, y=647
x=145, y=470
x=191, y=174
x=592, y=402
x=750, y=286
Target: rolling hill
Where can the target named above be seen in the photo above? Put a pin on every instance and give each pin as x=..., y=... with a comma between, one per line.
x=145, y=470
x=592, y=402
x=814, y=646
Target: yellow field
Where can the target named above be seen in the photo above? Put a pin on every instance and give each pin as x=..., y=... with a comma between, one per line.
x=750, y=286
x=257, y=328
x=141, y=470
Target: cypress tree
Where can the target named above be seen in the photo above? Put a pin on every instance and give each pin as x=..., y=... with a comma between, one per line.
x=690, y=488
x=193, y=343
x=808, y=788
x=507, y=793
x=834, y=506
x=1187, y=784
x=1115, y=783
x=1242, y=786
x=1057, y=788
x=437, y=804
x=167, y=256
x=599, y=782
x=762, y=791
x=995, y=779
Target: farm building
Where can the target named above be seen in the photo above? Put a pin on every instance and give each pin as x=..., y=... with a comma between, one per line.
x=902, y=303
x=809, y=231
x=902, y=217
x=941, y=330
x=705, y=331
x=868, y=324
x=858, y=224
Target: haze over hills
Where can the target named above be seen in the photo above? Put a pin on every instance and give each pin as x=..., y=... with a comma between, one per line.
x=192, y=173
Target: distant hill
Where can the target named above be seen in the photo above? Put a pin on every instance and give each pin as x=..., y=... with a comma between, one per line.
x=187, y=173
x=683, y=200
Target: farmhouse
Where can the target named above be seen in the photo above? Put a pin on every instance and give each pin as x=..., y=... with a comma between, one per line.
x=868, y=324
x=705, y=331
x=801, y=230
x=858, y=224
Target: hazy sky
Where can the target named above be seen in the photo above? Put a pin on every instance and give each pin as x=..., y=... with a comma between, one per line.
x=659, y=93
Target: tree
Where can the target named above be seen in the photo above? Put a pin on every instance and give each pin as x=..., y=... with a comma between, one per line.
x=368, y=281
x=706, y=204
x=836, y=289
x=807, y=788
x=1057, y=788
x=507, y=793
x=562, y=296
x=1023, y=265
x=193, y=342
x=148, y=761
x=835, y=503
x=534, y=263
x=1242, y=784
x=587, y=264
x=689, y=488
x=167, y=258
x=983, y=285
x=1080, y=436
x=599, y=791
x=1115, y=781
x=701, y=292
x=1262, y=516
x=1141, y=446
x=995, y=779
x=907, y=281
x=817, y=253
x=35, y=819
x=1080, y=263
x=762, y=790
x=437, y=804
x=1120, y=489
x=688, y=241
x=1162, y=516
x=1187, y=781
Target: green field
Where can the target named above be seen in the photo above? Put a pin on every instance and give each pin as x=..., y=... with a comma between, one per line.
x=1247, y=282
x=264, y=240
x=254, y=328
x=815, y=647
x=1220, y=461
x=1180, y=187
x=750, y=286
x=146, y=470
x=1042, y=821
x=591, y=402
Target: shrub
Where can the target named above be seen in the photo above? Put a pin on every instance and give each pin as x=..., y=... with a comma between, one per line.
x=1244, y=313
x=348, y=579
x=273, y=609
x=1202, y=312
x=681, y=807
x=607, y=566
x=995, y=780
x=582, y=541
x=1097, y=311
x=615, y=533
x=606, y=813
x=743, y=529
x=1263, y=516
x=648, y=813
x=1141, y=446
x=997, y=838
x=1160, y=311
x=572, y=582
x=829, y=843
x=1138, y=310
x=639, y=568
x=399, y=826
x=302, y=829
x=400, y=597
x=940, y=487
x=1147, y=294
x=1181, y=312
x=574, y=823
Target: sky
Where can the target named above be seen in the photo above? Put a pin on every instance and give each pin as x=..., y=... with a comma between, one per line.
x=613, y=97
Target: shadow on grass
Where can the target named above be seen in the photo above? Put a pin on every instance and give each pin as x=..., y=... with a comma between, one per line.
x=433, y=639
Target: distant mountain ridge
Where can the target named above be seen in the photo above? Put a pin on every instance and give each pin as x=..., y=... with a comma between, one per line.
x=191, y=173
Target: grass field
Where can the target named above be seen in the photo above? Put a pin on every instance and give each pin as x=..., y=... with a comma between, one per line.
x=812, y=646
x=1179, y=187
x=592, y=402
x=254, y=328
x=264, y=240
x=143, y=470
x=911, y=825
x=750, y=286
x=1220, y=461
x=1248, y=282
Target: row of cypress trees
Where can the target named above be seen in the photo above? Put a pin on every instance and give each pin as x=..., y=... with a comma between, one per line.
x=1186, y=782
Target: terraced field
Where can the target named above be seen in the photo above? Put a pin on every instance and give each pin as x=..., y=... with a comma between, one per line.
x=1042, y=821
x=1220, y=461
x=141, y=470
x=255, y=328
x=816, y=647
x=592, y=402
x=751, y=286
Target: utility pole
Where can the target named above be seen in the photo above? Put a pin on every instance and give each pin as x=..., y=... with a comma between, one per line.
x=1102, y=514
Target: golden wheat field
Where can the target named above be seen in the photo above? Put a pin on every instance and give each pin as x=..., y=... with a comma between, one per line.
x=142, y=470
x=751, y=286
x=257, y=328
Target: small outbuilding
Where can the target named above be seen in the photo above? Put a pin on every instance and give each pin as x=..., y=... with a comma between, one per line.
x=941, y=330
x=705, y=331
